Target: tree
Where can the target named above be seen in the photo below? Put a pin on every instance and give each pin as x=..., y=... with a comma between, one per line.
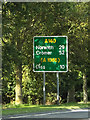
x=23, y=21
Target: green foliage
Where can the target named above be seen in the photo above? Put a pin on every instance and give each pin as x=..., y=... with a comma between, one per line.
x=23, y=21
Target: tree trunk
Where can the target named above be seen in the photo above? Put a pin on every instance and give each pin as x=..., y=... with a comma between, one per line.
x=85, y=96
x=19, y=85
x=71, y=94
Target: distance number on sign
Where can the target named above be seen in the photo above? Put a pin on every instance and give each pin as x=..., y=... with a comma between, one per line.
x=61, y=50
x=62, y=66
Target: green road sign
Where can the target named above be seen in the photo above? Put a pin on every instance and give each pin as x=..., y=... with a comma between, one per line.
x=50, y=54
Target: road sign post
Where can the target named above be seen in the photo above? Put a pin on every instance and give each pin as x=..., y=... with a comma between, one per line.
x=50, y=54
x=57, y=88
x=44, y=88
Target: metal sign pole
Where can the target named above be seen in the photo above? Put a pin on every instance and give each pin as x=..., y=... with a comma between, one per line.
x=44, y=88
x=57, y=88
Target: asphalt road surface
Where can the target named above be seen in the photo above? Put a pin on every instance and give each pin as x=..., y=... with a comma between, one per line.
x=70, y=114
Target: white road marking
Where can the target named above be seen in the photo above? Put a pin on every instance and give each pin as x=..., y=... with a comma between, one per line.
x=51, y=113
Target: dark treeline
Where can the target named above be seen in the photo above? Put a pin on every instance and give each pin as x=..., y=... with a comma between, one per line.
x=23, y=21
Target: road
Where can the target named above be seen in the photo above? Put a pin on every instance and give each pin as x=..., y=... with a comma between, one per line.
x=79, y=113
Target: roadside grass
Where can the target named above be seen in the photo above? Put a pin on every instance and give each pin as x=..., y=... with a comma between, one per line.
x=10, y=109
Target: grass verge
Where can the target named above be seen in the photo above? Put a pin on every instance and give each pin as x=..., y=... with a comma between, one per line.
x=10, y=109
